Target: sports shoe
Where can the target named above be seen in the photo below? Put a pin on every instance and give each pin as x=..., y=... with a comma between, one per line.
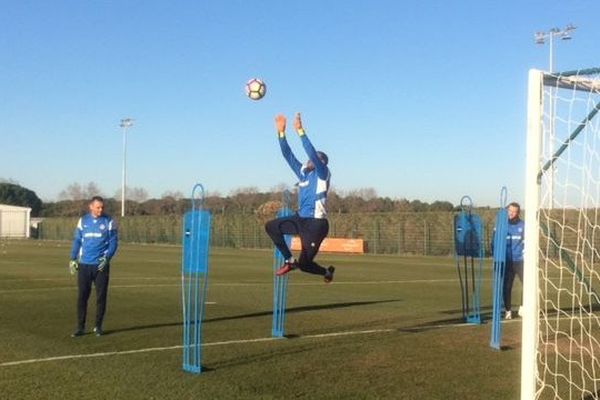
x=286, y=267
x=77, y=333
x=98, y=331
x=508, y=315
x=329, y=274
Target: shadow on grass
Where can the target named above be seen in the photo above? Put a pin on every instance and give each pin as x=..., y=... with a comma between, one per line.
x=592, y=396
x=458, y=310
x=432, y=325
x=257, y=314
x=259, y=358
x=486, y=311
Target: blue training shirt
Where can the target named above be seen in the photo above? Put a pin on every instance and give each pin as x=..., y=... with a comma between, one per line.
x=94, y=238
x=313, y=185
x=515, y=238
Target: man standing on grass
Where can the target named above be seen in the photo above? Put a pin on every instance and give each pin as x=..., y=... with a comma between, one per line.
x=94, y=244
x=514, y=254
x=515, y=243
x=310, y=221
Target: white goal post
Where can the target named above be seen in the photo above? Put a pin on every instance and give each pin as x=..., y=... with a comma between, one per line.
x=561, y=306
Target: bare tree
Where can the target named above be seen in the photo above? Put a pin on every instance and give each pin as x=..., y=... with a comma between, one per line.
x=365, y=193
x=216, y=193
x=72, y=192
x=173, y=194
x=279, y=188
x=91, y=190
x=362, y=193
x=137, y=194
x=244, y=190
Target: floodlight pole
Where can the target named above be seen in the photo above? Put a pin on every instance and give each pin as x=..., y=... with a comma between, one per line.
x=125, y=123
x=563, y=34
x=540, y=38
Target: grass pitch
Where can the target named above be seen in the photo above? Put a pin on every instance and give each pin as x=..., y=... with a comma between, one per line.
x=386, y=328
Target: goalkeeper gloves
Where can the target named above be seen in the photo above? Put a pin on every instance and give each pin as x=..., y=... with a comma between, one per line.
x=102, y=262
x=73, y=266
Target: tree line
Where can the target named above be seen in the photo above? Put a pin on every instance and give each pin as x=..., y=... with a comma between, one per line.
x=248, y=200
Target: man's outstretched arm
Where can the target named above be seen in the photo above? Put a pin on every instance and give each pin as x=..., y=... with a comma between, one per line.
x=320, y=166
x=292, y=161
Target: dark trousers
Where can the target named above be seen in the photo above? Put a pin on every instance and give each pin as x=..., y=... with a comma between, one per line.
x=85, y=276
x=513, y=268
x=312, y=231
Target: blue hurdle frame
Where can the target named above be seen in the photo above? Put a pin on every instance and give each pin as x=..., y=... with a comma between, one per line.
x=469, y=252
x=280, y=283
x=194, y=279
x=499, y=266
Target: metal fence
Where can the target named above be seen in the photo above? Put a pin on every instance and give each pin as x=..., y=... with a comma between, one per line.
x=423, y=233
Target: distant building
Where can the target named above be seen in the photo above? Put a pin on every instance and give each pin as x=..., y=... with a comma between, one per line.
x=14, y=221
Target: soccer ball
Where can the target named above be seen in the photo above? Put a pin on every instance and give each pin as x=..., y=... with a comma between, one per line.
x=256, y=89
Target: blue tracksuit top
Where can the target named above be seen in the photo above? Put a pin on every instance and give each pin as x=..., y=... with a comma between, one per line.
x=313, y=185
x=94, y=238
x=515, y=240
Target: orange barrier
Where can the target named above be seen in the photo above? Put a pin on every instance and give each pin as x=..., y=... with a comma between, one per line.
x=335, y=245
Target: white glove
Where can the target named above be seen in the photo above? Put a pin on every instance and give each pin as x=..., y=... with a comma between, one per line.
x=73, y=266
x=102, y=262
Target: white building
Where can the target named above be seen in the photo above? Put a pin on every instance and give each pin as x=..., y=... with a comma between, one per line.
x=14, y=221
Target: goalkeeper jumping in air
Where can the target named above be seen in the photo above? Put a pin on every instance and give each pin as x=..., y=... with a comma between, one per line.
x=310, y=221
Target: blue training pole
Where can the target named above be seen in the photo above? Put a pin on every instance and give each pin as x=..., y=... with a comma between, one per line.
x=499, y=265
x=194, y=279
x=280, y=282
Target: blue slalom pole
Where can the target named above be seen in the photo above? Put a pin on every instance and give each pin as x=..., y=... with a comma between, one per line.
x=194, y=279
x=280, y=282
x=499, y=265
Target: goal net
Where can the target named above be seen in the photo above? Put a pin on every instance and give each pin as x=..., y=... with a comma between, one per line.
x=561, y=322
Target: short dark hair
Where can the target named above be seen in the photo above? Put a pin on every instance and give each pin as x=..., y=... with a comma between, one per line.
x=97, y=198
x=514, y=204
x=323, y=157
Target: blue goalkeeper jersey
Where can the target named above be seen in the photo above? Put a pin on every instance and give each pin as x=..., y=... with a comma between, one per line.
x=515, y=240
x=94, y=238
x=312, y=185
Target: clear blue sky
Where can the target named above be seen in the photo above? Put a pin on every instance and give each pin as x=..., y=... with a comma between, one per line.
x=417, y=99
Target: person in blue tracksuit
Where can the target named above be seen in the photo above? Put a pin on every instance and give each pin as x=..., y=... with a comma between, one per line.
x=95, y=243
x=310, y=221
x=514, y=255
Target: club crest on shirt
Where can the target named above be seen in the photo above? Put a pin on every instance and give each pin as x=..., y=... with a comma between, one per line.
x=102, y=226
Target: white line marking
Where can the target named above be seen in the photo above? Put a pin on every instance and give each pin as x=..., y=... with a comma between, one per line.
x=230, y=342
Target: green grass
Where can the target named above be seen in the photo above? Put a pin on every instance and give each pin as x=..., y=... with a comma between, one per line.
x=415, y=301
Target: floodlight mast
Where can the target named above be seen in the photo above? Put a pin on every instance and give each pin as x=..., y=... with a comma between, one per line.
x=562, y=34
x=125, y=124
x=540, y=38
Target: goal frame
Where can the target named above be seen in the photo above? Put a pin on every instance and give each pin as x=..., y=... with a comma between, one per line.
x=535, y=169
x=530, y=262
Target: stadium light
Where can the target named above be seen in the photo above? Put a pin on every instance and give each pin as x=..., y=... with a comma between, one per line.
x=563, y=34
x=540, y=38
x=125, y=123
